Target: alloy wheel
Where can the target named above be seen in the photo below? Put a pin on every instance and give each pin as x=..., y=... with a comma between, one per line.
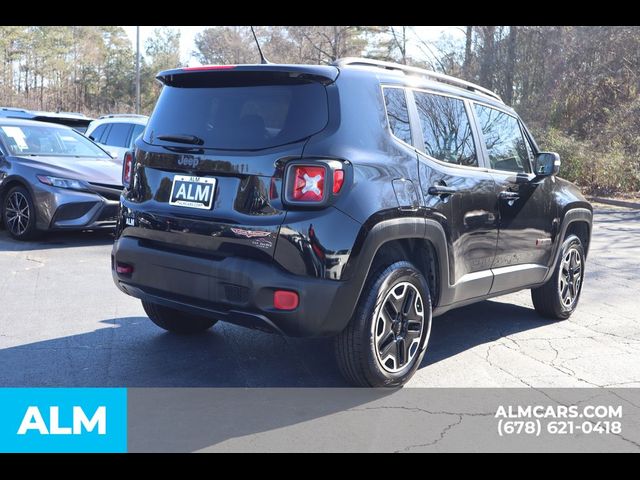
x=570, y=277
x=17, y=213
x=398, y=326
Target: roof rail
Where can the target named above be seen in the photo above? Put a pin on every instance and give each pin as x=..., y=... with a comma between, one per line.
x=122, y=115
x=440, y=77
x=14, y=109
x=78, y=114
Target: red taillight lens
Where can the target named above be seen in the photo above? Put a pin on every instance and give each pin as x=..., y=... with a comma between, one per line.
x=338, y=180
x=285, y=300
x=308, y=183
x=126, y=169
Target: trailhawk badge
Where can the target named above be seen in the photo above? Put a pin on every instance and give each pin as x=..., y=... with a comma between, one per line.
x=192, y=192
x=249, y=233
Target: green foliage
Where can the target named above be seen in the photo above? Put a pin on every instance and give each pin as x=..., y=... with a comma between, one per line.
x=577, y=84
x=163, y=53
x=89, y=69
x=599, y=169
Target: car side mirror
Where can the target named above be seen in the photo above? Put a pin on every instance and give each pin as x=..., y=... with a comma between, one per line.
x=547, y=164
x=91, y=138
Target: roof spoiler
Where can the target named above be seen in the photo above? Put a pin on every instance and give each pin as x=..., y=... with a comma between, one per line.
x=324, y=74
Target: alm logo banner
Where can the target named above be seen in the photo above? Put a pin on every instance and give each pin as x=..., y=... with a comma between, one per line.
x=63, y=420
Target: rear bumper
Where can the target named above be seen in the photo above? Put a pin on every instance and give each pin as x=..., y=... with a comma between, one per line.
x=236, y=290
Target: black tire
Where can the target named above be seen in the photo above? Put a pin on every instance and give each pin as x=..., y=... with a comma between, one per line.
x=177, y=321
x=549, y=299
x=357, y=346
x=17, y=225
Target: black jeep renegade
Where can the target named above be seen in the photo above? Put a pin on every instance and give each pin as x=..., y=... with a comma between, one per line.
x=356, y=200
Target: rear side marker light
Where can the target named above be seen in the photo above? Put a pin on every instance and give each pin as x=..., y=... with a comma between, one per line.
x=127, y=167
x=338, y=180
x=285, y=300
x=273, y=189
x=124, y=268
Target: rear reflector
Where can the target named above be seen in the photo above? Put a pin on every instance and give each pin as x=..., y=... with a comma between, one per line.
x=124, y=268
x=204, y=68
x=273, y=189
x=285, y=300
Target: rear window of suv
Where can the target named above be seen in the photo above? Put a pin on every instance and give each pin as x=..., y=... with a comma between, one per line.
x=240, y=118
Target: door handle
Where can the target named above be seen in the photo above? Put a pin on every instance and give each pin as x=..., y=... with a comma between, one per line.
x=507, y=195
x=441, y=190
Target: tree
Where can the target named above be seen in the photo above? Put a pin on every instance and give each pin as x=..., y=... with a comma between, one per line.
x=162, y=53
x=325, y=44
x=163, y=48
x=510, y=67
x=226, y=45
x=117, y=93
x=488, y=54
x=466, y=66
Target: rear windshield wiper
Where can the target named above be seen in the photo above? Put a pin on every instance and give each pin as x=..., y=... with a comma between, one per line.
x=189, y=139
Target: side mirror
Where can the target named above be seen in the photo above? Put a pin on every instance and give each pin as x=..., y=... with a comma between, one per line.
x=91, y=138
x=547, y=164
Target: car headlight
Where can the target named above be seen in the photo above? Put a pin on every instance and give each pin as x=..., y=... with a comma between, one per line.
x=62, y=182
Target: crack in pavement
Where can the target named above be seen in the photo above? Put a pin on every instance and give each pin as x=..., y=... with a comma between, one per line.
x=552, y=365
x=443, y=433
x=540, y=391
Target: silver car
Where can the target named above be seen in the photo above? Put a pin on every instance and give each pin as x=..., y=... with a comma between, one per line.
x=53, y=178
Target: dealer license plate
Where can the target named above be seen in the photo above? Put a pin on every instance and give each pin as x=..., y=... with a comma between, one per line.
x=193, y=192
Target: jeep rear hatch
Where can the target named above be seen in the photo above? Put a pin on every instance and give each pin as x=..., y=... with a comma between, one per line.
x=208, y=171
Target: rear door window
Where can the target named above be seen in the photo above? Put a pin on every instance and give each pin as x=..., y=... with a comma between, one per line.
x=137, y=130
x=397, y=113
x=118, y=135
x=240, y=118
x=105, y=134
x=446, y=129
x=97, y=133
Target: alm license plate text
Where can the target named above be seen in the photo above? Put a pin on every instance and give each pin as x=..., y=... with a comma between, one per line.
x=193, y=192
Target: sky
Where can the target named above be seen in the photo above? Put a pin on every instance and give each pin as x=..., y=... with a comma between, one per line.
x=188, y=33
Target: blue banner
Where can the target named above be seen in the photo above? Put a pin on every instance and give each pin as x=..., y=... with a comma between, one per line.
x=47, y=420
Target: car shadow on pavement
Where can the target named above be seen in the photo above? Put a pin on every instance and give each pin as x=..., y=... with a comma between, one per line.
x=132, y=352
x=53, y=240
x=483, y=322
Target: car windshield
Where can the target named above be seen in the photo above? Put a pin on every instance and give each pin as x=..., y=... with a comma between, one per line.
x=48, y=140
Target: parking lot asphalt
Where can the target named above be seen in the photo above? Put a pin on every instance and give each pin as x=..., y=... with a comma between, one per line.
x=64, y=323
